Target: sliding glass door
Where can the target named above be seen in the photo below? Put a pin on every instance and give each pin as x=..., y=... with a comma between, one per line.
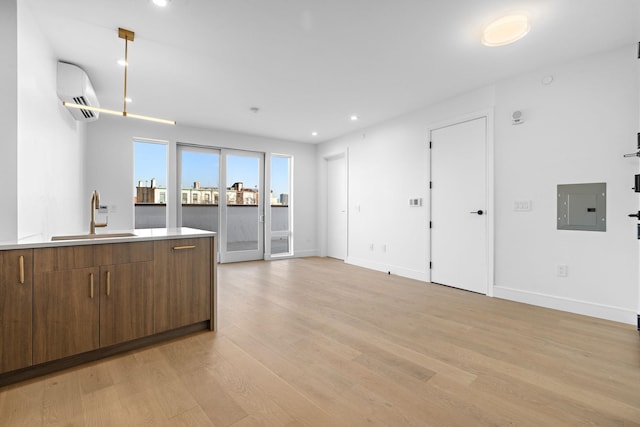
x=223, y=191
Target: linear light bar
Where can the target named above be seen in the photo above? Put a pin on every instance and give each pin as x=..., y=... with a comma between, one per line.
x=128, y=36
x=118, y=113
x=151, y=119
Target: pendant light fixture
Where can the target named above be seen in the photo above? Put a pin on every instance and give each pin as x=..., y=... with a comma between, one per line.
x=128, y=36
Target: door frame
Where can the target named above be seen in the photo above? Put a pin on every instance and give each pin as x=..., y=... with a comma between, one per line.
x=222, y=204
x=326, y=159
x=244, y=255
x=490, y=206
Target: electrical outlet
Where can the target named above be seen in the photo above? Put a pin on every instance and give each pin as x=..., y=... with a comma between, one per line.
x=562, y=270
x=371, y=246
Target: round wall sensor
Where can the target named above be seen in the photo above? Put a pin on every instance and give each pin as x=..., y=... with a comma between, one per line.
x=547, y=80
x=517, y=117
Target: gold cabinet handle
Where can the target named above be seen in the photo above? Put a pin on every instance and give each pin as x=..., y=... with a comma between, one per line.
x=21, y=260
x=108, y=283
x=180, y=248
x=91, y=285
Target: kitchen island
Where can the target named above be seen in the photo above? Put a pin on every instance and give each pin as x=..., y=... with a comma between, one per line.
x=66, y=302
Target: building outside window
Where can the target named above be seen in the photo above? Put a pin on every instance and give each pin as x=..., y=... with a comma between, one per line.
x=150, y=184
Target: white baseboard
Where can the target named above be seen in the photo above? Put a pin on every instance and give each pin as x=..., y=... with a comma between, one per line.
x=398, y=271
x=617, y=314
x=306, y=253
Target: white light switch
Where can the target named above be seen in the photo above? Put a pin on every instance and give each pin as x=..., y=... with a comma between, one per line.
x=562, y=270
x=522, y=205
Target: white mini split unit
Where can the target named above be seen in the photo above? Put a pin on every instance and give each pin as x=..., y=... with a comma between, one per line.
x=75, y=87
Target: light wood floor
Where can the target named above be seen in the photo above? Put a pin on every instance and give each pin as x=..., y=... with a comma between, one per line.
x=319, y=343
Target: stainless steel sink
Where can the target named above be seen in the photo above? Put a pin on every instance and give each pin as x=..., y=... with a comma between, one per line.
x=92, y=236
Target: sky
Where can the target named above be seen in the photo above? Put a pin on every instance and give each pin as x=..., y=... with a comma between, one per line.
x=151, y=162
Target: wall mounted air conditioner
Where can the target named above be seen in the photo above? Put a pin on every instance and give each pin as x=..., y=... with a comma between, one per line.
x=74, y=86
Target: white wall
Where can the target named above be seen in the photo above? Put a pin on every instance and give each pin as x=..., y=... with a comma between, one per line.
x=8, y=120
x=109, y=163
x=388, y=164
x=51, y=144
x=577, y=130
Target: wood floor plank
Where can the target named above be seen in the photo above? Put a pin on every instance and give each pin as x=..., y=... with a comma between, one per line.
x=316, y=342
x=194, y=417
x=295, y=404
x=219, y=407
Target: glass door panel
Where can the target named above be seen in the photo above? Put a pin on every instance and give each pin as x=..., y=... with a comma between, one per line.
x=242, y=211
x=280, y=205
x=199, y=187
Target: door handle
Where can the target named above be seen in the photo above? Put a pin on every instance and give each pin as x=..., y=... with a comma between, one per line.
x=478, y=212
x=636, y=215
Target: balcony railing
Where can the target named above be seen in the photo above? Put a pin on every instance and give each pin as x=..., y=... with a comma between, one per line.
x=243, y=222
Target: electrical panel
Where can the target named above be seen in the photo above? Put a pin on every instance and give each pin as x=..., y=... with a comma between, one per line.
x=582, y=207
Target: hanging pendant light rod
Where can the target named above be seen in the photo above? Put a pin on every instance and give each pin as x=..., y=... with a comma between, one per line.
x=128, y=36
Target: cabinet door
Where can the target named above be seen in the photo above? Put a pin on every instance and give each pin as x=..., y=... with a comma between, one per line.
x=182, y=282
x=126, y=302
x=66, y=313
x=16, y=293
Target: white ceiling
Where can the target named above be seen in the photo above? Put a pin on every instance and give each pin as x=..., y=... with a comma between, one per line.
x=310, y=64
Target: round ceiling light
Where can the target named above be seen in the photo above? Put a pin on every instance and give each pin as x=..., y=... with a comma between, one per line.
x=506, y=30
x=161, y=3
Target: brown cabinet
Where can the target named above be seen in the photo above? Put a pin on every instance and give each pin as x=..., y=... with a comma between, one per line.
x=80, y=308
x=126, y=294
x=66, y=302
x=183, y=277
x=16, y=292
x=126, y=302
x=92, y=300
x=67, y=309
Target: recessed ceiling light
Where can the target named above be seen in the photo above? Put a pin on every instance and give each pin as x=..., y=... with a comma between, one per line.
x=161, y=3
x=122, y=62
x=128, y=100
x=506, y=30
x=314, y=133
x=353, y=118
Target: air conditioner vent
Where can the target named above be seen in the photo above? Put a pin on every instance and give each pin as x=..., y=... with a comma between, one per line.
x=74, y=86
x=88, y=114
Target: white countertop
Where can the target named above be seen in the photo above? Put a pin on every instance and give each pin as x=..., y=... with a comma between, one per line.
x=140, y=235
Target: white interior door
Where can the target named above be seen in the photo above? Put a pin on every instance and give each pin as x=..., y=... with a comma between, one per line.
x=337, y=207
x=459, y=202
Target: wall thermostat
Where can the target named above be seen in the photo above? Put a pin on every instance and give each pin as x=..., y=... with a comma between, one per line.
x=517, y=117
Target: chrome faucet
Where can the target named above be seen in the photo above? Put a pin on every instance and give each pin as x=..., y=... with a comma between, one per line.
x=95, y=204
